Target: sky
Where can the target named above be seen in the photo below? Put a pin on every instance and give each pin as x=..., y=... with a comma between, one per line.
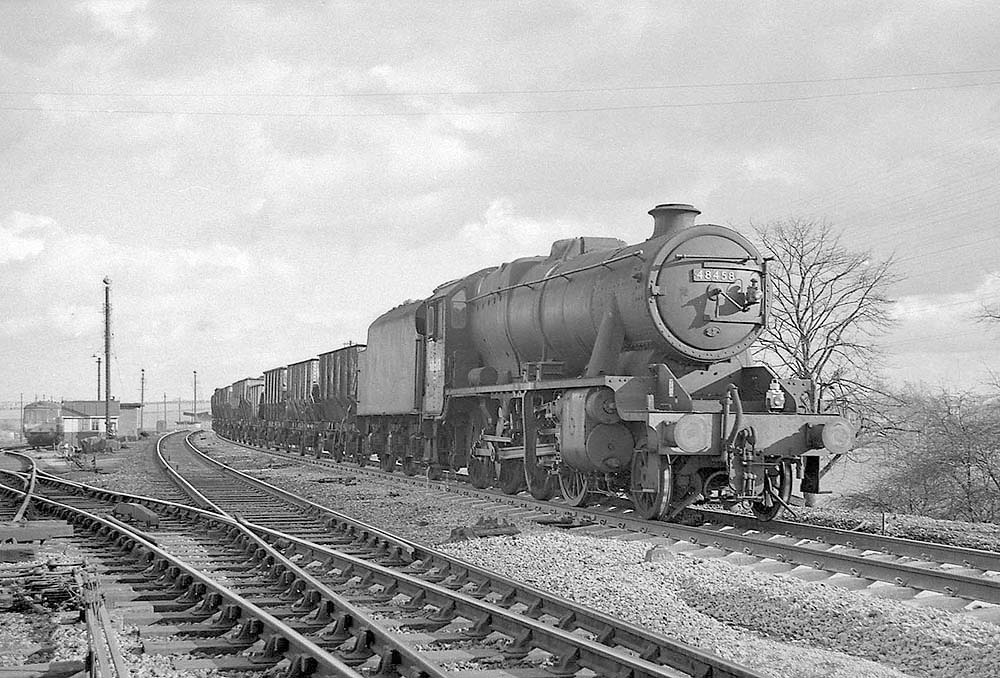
x=260, y=180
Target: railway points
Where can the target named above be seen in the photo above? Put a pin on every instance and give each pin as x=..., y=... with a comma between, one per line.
x=926, y=574
x=488, y=553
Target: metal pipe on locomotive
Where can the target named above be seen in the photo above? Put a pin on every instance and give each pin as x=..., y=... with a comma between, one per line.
x=602, y=368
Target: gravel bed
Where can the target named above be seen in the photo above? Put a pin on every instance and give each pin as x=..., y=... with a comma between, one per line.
x=132, y=470
x=984, y=536
x=61, y=634
x=414, y=512
x=36, y=636
x=776, y=624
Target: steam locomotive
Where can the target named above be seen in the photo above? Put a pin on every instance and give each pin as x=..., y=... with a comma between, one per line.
x=600, y=369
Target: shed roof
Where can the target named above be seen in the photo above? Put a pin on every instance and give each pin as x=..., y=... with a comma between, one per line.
x=89, y=408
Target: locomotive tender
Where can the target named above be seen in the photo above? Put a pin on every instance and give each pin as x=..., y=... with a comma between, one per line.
x=602, y=368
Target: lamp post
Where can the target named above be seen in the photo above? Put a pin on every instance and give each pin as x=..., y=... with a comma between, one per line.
x=107, y=357
x=194, y=416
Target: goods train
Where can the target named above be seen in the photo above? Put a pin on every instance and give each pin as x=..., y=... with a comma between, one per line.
x=43, y=424
x=600, y=369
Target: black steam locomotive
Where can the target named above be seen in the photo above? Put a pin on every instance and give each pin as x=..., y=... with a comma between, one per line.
x=602, y=368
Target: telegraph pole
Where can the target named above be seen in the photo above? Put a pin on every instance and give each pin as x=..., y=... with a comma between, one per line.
x=98, y=376
x=164, y=411
x=21, y=432
x=196, y=396
x=107, y=356
x=142, y=399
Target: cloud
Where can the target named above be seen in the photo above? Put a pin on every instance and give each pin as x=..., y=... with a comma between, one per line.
x=504, y=235
x=125, y=19
x=22, y=236
x=951, y=314
x=939, y=341
x=235, y=237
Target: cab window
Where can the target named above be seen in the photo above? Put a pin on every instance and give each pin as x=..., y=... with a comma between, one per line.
x=431, y=321
x=458, y=310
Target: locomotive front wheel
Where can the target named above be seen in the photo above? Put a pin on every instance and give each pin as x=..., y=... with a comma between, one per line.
x=574, y=486
x=511, y=476
x=651, y=484
x=777, y=483
x=480, y=472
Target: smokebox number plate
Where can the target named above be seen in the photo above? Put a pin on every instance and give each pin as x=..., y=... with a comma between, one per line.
x=713, y=275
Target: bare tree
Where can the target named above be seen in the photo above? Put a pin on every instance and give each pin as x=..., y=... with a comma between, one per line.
x=828, y=306
x=989, y=314
x=948, y=466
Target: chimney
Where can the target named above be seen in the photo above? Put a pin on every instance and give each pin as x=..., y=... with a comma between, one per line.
x=672, y=217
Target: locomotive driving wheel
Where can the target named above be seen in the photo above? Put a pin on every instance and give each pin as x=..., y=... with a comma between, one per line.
x=651, y=484
x=511, y=476
x=777, y=491
x=541, y=484
x=480, y=472
x=574, y=486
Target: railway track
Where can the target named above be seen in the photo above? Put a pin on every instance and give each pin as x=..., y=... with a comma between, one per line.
x=922, y=573
x=407, y=609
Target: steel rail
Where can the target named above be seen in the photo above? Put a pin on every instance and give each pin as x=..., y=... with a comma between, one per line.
x=374, y=639
x=462, y=592
x=865, y=541
x=181, y=482
x=656, y=655
x=29, y=485
x=787, y=549
x=614, y=631
x=297, y=643
x=103, y=640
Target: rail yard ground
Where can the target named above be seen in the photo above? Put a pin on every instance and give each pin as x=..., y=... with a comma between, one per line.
x=775, y=623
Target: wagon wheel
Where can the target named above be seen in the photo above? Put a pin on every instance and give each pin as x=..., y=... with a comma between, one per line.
x=651, y=484
x=480, y=472
x=511, y=476
x=777, y=484
x=410, y=466
x=387, y=462
x=574, y=486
